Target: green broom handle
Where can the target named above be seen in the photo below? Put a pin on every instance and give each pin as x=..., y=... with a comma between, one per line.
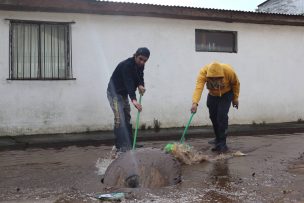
x=186, y=128
x=137, y=123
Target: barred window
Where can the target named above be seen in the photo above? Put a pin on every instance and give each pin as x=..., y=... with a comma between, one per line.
x=40, y=50
x=215, y=41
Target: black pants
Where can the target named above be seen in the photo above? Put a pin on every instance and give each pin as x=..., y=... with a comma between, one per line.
x=218, y=113
x=122, y=128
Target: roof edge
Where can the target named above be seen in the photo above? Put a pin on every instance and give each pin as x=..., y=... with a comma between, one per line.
x=149, y=10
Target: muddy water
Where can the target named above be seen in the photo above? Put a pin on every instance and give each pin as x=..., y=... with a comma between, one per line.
x=271, y=172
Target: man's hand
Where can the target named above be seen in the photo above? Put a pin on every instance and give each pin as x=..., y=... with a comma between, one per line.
x=141, y=89
x=194, y=108
x=235, y=104
x=137, y=105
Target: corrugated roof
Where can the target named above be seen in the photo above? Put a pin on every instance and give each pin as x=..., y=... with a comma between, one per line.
x=167, y=5
x=129, y=2
x=178, y=6
x=150, y=10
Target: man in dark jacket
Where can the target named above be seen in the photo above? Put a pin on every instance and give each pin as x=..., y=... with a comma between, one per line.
x=126, y=78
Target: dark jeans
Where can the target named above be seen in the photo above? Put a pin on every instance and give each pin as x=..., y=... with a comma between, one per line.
x=218, y=113
x=122, y=127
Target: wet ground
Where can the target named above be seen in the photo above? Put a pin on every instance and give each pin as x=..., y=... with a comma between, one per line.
x=272, y=171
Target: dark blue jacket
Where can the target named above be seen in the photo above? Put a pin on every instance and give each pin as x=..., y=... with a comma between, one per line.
x=127, y=77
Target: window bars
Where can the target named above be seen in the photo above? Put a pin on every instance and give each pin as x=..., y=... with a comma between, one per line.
x=40, y=50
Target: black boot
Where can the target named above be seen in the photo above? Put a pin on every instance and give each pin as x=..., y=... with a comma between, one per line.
x=215, y=141
x=215, y=148
x=212, y=142
x=221, y=146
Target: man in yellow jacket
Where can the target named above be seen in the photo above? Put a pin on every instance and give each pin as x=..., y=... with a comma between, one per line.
x=224, y=88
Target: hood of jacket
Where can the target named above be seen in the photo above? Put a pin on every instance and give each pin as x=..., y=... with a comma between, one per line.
x=215, y=69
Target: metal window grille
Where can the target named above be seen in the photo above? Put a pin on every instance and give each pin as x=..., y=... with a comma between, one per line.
x=40, y=50
x=215, y=41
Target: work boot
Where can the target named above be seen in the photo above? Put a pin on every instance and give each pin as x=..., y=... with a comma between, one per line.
x=223, y=149
x=215, y=148
x=212, y=142
x=220, y=148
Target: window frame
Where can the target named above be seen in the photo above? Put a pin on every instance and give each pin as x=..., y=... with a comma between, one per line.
x=68, y=53
x=235, y=37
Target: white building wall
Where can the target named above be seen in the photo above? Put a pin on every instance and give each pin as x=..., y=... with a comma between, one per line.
x=269, y=63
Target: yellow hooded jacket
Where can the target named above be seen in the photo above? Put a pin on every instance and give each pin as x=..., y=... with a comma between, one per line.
x=215, y=69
